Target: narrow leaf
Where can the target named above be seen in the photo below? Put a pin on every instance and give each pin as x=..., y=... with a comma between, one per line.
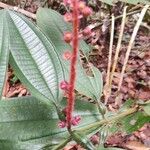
x=147, y=109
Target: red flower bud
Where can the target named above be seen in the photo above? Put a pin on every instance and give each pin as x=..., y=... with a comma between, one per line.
x=64, y=85
x=76, y=120
x=67, y=55
x=68, y=37
x=87, y=11
x=68, y=17
x=62, y=124
x=87, y=31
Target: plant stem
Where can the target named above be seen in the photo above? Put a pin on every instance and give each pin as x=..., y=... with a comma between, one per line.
x=61, y=145
x=71, y=97
x=108, y=120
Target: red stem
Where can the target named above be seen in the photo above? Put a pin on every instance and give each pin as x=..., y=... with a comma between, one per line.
x=71, y=97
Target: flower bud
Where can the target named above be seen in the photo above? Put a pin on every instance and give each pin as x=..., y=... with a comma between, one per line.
x=68, y=17
x=76, y=120
x=62, y=124
x=87, y=11
x=67, y=2
x=67, y=55
x=64, y=85
x=87, y=31
x=68, y=37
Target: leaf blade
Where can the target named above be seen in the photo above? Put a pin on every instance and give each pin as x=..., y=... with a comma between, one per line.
x=32, y=61
x=4, y=52
x=53, y=25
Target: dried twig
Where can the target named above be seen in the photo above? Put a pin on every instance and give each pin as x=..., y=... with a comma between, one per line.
x=106, y=90
x=26, y=13
x=118, y=47
x=136, y=28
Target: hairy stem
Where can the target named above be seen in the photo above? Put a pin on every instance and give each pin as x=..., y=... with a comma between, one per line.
x=71, y=97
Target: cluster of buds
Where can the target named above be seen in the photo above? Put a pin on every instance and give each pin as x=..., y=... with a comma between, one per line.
x=78, y=9
x=74, y=121
x=83, y=8
x=84, y=11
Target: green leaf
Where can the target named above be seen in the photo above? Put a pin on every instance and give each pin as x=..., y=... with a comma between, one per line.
x=109, y=2
x=53, y=25
x=29, y=122
x=4, y=51
x=27, y=118
x=34, y=58
x=135, y=121
x=134, y=2
x=13, y=145
x=131, y=122
x=147, y=109
x=83, y=140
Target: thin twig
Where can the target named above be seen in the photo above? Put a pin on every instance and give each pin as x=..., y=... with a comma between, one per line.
x=116, y=18
x=26, y=13
x=136, y=28
x=106, y=90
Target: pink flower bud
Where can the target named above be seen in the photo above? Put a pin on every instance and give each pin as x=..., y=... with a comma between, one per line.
x=81, y=5
x=87, y=31
x=67, y=2
x=67, y=55
x=64, y=85
x=87, y=11
x=68, y=37
x=68, y=17
x=62, y=124
x=76, y=120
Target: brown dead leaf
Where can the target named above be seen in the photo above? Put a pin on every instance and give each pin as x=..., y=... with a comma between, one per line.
x=134, y=145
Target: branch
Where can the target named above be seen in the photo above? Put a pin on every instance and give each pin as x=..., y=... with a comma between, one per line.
x=26, y=13
x=96, y=125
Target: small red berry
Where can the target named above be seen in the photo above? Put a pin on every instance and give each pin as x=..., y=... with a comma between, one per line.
x=68, y=17
x=81, y=5
x=67, y=55
x=87, y=11
x=87, y=31
x=64, y=85
x=68, y=37
x=62, y=124
x=76, y=120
